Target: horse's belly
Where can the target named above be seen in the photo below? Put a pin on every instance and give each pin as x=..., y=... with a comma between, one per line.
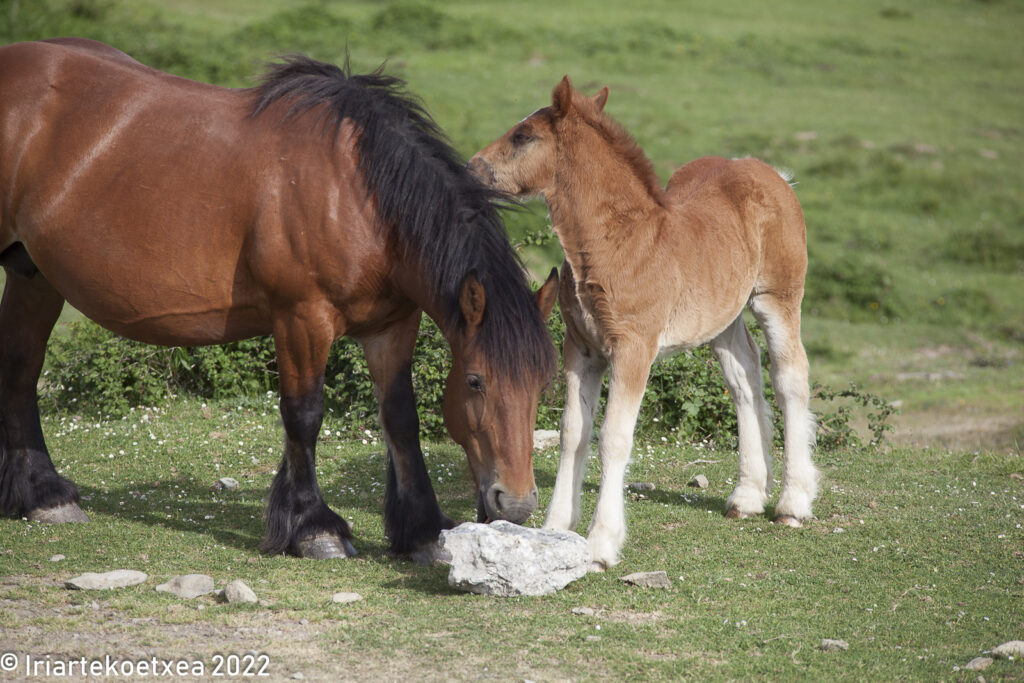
x=157, y=304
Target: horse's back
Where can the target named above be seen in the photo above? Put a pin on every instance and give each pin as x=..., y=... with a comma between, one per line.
x=742, y=210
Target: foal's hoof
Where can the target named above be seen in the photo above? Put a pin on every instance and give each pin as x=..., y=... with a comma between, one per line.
x=734, y=513
x=789, y=521
x=68, y=512
x=598, y=567
x=325, y=547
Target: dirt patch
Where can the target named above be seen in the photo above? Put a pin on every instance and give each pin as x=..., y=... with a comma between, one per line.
x=55, y=631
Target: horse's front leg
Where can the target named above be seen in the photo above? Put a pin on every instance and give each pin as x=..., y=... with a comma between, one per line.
x=584, y=369
x=412, y=518
x=298, y=519
x=630, y=369
x=29, y=484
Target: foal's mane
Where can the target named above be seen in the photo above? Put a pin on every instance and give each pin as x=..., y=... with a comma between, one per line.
x=622, y=143
x=432, y=209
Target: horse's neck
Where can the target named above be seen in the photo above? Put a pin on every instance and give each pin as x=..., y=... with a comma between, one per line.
x=599, y=204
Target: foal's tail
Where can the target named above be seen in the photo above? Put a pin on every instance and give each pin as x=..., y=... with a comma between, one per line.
x=786, y=175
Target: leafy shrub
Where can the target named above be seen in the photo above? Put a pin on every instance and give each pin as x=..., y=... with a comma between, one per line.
x=92, y=370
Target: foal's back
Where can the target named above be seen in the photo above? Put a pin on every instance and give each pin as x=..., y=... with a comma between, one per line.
x=750, y=198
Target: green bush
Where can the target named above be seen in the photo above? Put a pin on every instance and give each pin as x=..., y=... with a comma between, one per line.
x=91, y=370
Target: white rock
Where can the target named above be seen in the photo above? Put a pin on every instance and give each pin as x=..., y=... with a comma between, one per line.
x=57, y=558
x=119, y=578
x=978, y=664
x=188, y=586
x=345, y=598
x=506, y=559
x=545, y=438
x=700, y=482
x=227, y=483
x=831, y=645
x=1013, y=648
x=237, y=591
x=658, y=579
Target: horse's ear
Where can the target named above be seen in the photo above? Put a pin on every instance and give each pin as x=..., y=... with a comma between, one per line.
x=547, y=294
x=472, y=301
x=601, y=98
x=561, y=98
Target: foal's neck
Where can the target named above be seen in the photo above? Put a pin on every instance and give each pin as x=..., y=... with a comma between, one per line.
x=600, y=196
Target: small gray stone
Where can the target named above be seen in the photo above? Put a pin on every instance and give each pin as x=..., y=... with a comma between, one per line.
x=545, y=438
x=640, y=486
x=978, y=664
x=57, y=558
x=658, y=579
x=345, y=598
x=1013, y=648
x=118, y=578
x=189, y=586
x=506, y=559
x=699, y=482
x=831, y=645
x=584, y=611
x=227, y=484
x=237, y=591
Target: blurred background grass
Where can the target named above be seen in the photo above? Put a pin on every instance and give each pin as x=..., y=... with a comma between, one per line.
x=901, y=121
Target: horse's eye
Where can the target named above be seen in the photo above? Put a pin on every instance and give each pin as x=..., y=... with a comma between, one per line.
x=475, y=383
x=521, y=138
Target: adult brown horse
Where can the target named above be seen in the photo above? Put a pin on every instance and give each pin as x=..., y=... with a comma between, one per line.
x=316, y=205
x=649, y=272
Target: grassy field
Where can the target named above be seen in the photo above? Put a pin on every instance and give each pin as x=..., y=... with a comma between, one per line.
x=914, y=561
x=901, y=122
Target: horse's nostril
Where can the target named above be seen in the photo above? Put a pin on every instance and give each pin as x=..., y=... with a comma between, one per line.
x=495, y=495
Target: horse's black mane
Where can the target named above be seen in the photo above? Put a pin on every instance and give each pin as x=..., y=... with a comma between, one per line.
x=433, y=209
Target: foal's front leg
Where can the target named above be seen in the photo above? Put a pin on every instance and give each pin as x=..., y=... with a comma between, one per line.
x=298, y=519
x=412, y=518
x=584, y=370
x=630, y=369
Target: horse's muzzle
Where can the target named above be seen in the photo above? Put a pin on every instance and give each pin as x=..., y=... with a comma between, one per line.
x=500, y=504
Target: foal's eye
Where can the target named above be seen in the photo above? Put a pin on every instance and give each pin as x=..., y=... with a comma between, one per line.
x=521, y=138
x=475, y=383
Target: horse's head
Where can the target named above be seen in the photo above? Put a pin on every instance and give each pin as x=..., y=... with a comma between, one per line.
x=522, y=161
x=491, y=414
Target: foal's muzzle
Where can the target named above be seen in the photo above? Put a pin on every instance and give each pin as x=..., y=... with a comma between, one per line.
x=498, y=503
x=482, y=169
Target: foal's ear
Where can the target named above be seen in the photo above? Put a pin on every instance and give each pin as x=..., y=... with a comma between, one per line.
x=472, y=301
x=547, y=294
x=561, y=98
x=601, y=98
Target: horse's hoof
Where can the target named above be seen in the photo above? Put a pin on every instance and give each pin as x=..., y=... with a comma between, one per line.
x=68, y=512
x=431, y=554
x=598, y=567
x=734, y=513
x=789, y=521
x=325, y=547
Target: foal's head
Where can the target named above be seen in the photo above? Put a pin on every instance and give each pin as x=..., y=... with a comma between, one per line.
x=522, y=161
x=491, y=413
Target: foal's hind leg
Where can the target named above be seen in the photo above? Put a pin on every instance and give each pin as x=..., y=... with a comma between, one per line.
x=412, y=518
x=779, y=317
x=741, y=365
x=29, y=484
x=298, y=519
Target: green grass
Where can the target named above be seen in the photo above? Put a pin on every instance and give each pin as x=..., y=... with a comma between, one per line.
x=900, y=121
x=919, y=575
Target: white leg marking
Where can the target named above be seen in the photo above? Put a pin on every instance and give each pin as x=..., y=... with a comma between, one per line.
x=583, y=391
x=741, y=366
